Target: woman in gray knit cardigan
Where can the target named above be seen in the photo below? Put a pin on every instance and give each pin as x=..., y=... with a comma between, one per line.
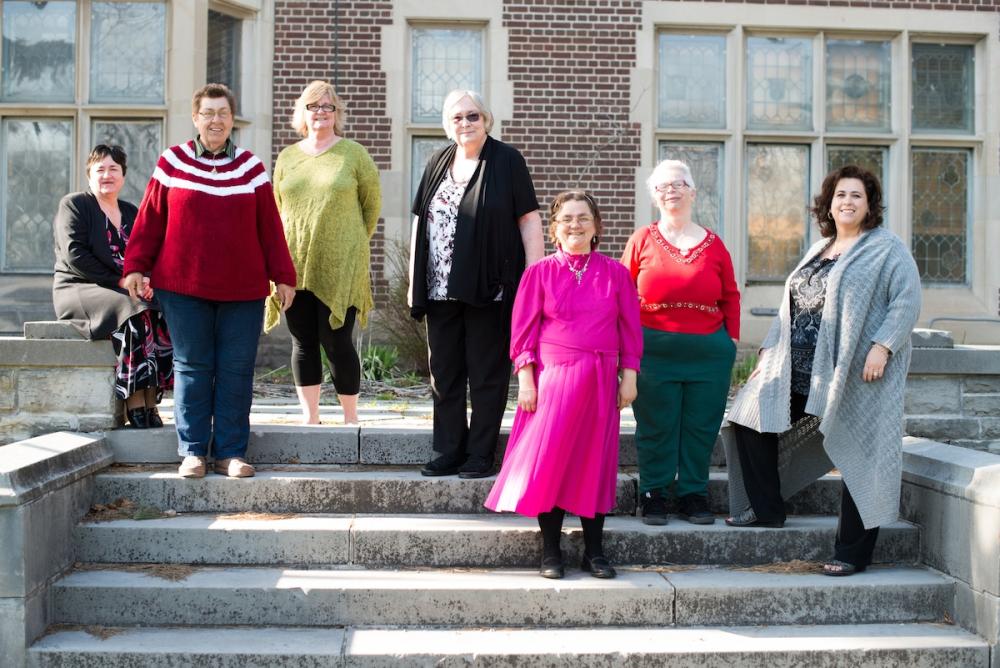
x=828, y=389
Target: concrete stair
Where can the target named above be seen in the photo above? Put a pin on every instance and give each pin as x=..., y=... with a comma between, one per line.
x=338, y=555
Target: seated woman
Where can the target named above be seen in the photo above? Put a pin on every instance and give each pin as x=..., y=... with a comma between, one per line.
x=575, y=330
x=91, y=231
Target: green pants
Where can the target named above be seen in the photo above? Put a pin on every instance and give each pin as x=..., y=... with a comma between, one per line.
x=683, y=383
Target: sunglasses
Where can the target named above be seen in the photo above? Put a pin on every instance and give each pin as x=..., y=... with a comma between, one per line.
x=472, y=117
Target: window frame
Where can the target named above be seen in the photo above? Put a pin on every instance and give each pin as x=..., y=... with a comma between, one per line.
x=898, y=142
x=82, y=113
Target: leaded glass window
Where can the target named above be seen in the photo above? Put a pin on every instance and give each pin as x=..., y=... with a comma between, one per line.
x=142, y=142
x=127, y=52
x=692, y=85
x=39, y=51
x=858, y=78
x=37, y=155
x=777, y=200
x=444, y=59
x=224, y=44
x=940, y=180
x=705, y=161
x=871, y=158
x=943, y=88
x=422, y=149
x=779, y=83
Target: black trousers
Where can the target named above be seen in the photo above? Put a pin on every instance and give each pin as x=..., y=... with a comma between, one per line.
x=309, y=323
x=468, y=344
x=759, y=459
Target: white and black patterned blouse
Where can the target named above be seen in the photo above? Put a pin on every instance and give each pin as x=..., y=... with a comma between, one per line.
x=442, y=220
x=808, y=293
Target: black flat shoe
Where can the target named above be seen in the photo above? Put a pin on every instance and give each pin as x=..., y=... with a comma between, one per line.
x=153, y=419
x=476, y=467
x=552, y=568
x=137, y=418
x=748, y=518
x=443, y=465
x=838, y=568
x=598, y=566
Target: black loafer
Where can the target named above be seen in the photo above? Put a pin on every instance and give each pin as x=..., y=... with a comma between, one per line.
x=598, y=566
x=748, y=518
x=443, y=465
x=552, y=568
x=153, y=419
x=476, y=467
x=137, y=418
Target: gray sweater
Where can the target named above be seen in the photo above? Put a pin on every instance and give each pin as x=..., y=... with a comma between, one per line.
x=873, y=296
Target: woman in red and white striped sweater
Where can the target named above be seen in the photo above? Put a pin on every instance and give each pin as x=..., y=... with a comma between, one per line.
x=209, y=236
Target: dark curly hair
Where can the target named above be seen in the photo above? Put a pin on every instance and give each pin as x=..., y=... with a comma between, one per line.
x=575, y=196
x=822, y=202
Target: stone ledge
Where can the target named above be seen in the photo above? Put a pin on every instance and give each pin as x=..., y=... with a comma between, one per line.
x=960, y=360
x=19, y=352
x=920, y=338
x=51, y=329
x=967, y=474
x=30, y=469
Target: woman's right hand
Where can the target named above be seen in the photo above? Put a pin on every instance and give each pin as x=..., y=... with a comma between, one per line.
x=527, y=393
x=133, y=283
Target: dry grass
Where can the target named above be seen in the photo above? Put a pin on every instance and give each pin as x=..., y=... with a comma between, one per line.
x=123, y=509
x=101, y=632
x=172, y=572
x=798, y=566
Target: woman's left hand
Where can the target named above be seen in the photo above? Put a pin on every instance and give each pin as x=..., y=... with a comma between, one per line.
x=627, y=391
x=285, y=294
x=875, y=363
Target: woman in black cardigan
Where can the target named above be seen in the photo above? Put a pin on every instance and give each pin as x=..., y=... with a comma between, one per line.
x=475, y=226
x=91, y=230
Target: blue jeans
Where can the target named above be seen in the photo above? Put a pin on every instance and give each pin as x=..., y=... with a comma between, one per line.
x=215, y=348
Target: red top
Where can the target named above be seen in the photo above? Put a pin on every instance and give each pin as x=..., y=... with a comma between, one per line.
x=208, y=227
x=688, y=294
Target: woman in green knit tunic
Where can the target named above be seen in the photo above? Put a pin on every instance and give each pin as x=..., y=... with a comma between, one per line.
x=328, y=192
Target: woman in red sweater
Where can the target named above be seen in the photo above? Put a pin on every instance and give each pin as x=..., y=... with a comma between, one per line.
x=690, y=314
x=209, y=235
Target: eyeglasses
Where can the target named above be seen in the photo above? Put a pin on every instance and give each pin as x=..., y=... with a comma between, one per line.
x=568, y=220
x=328, y=108
x=676, y=185
x=472, y=117
x=209, y=115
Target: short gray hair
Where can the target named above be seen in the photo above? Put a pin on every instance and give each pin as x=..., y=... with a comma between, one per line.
x=659, y=175
x=452, y=98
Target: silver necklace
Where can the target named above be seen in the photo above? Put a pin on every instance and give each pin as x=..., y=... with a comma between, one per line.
x=578, y=273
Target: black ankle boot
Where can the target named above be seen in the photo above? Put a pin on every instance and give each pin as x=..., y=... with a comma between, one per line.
x=153, y=419
x=137, y=418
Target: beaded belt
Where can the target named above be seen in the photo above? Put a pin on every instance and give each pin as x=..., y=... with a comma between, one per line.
x=665, y=305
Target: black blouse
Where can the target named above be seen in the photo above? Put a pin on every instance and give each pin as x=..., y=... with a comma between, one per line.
x=808, y=295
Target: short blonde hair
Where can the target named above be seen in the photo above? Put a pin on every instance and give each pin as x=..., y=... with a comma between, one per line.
x=659, y=175
x=452, y=98
x=313, y=93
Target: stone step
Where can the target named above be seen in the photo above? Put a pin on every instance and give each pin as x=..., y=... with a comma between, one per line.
x=507, y=541
x=921, y=645
x=471, y=598
x=388, y=441
x=344, y=489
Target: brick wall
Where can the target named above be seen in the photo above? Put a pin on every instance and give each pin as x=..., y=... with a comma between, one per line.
x=304, y=46
x=569, y=62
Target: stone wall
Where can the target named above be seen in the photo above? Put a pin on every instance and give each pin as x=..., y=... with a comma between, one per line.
x=53, y=380
x=953, y=394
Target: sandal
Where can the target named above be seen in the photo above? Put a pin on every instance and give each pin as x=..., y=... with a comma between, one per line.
x=838, y=568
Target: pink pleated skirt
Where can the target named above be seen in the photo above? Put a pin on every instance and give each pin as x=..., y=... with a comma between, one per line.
x=564, y=454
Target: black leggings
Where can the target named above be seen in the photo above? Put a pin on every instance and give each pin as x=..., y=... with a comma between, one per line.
x=309, y=323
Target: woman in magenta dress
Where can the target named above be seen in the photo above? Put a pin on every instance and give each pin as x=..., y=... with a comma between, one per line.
x=576, y=344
